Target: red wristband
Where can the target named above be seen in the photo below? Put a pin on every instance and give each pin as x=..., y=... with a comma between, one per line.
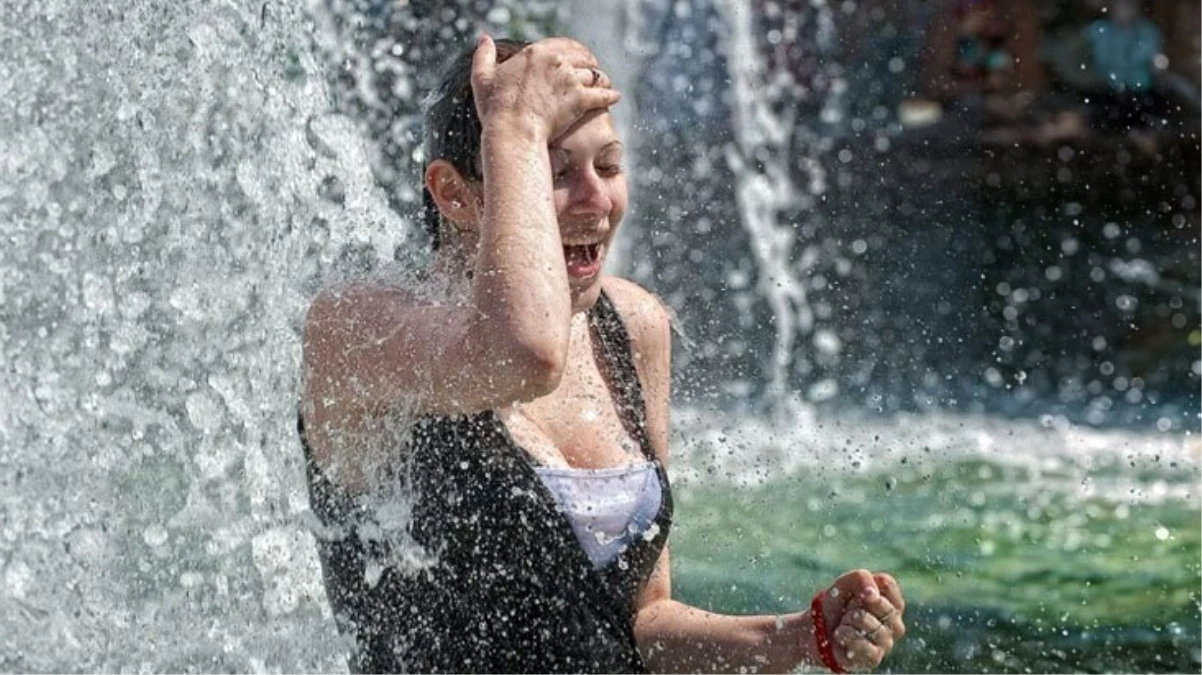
x=826, y=650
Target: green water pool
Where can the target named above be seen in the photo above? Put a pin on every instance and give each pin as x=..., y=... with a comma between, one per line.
x=1007, y=568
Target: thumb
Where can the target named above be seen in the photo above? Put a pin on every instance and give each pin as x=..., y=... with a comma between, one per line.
x=855, y=586
x=484, y=60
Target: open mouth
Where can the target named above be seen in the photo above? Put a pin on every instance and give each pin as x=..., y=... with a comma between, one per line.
x=583, y=260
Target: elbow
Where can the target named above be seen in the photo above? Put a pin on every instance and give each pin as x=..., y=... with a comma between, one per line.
x=538, y=364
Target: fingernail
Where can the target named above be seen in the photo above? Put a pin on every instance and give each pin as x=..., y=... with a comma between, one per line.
x=869, y=594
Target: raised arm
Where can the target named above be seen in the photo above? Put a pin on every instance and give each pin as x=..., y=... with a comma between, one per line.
x=370, y=349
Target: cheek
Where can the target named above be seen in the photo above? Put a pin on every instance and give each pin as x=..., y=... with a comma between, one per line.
x=618, y=196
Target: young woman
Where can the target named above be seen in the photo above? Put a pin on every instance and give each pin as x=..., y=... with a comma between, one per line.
x=517, y=402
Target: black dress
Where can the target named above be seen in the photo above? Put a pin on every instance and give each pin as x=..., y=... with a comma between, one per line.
x=509, y=588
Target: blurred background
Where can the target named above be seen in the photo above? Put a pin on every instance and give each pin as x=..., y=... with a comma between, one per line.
x=934, y=266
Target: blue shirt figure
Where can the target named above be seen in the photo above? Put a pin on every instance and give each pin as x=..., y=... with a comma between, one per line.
x=1123, y=49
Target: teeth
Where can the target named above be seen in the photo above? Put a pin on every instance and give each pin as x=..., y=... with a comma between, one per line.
x=591, y=252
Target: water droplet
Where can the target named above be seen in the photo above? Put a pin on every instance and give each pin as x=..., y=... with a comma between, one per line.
x=155, y=536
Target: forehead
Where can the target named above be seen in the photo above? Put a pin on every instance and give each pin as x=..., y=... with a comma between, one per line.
x=594, y=132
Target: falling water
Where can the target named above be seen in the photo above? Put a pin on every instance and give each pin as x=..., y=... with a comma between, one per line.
x=761, y=158
x=163, y=230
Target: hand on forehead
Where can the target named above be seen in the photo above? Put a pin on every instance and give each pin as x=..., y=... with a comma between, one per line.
x=579, y=54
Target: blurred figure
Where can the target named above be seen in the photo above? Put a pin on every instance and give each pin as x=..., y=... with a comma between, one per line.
x=983, y=56
x=981, y=61
x=1123, y=46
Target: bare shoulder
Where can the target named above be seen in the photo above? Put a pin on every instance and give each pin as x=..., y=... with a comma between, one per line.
x=646, y=316
x=648, y=321
x=345, y=329
x=342, y=406
x=348, y=313
x=336, y=300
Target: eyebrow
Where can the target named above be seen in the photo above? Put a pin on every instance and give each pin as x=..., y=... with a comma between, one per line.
x=611, y=144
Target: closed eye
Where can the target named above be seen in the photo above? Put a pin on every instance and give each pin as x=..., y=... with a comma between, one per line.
x=609, y=170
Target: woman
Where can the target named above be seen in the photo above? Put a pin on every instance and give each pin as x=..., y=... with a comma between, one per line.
x=519, y=399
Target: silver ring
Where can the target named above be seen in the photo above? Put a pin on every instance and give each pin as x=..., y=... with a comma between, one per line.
x=596, y=77
x=874, y=631
x=888, y=616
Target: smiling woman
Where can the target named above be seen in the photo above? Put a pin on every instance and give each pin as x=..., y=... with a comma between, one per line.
x=519, y=401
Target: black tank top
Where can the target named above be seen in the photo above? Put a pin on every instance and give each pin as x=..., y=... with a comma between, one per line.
x=506, y=586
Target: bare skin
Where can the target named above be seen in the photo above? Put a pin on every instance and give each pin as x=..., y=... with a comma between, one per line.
x=512, y=338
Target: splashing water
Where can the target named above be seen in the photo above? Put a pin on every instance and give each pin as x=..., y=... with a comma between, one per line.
x=162, y=231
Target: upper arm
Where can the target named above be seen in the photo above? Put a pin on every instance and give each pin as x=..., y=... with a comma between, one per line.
x=372, y=351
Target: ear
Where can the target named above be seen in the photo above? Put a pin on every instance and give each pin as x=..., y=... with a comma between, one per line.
x=455, y=195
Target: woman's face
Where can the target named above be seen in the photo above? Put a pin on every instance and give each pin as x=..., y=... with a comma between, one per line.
x=590, y=200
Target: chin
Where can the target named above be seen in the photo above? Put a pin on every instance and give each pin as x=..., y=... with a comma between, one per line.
x=584, y=297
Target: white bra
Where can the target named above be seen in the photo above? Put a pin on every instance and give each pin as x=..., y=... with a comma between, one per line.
x=608, y=508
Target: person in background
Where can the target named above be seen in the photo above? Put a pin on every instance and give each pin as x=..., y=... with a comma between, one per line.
x=982, y=53
x=1123, y=46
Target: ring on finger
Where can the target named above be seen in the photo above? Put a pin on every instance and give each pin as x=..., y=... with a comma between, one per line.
x=888, y=616
x=596, y=77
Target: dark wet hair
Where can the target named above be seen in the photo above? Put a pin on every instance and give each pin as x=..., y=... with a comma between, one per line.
x=452, y=127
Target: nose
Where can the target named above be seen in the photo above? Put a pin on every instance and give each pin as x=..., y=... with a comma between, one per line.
x=589, y=195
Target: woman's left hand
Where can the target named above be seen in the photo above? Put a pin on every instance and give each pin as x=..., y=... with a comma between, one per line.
x=866, y=616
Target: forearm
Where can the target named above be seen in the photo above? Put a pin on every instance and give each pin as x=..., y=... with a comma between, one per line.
x=520, y=282
x=674, y=637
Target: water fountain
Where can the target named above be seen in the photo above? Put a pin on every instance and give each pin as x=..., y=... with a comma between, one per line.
x=175, y=184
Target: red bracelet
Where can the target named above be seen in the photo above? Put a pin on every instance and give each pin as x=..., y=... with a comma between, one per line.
x=826, y=650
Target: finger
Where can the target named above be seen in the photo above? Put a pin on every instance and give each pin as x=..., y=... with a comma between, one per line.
x=592, y=99
x=874, y=601
x=582, y=118
x=884, y=613
x=893, y=621
x=863, y=621
x=854, y=585
x=873, y=628
x=855, y=651
x=594, y=78
x=484, y=60
x=891, y=590
x=574, y=52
